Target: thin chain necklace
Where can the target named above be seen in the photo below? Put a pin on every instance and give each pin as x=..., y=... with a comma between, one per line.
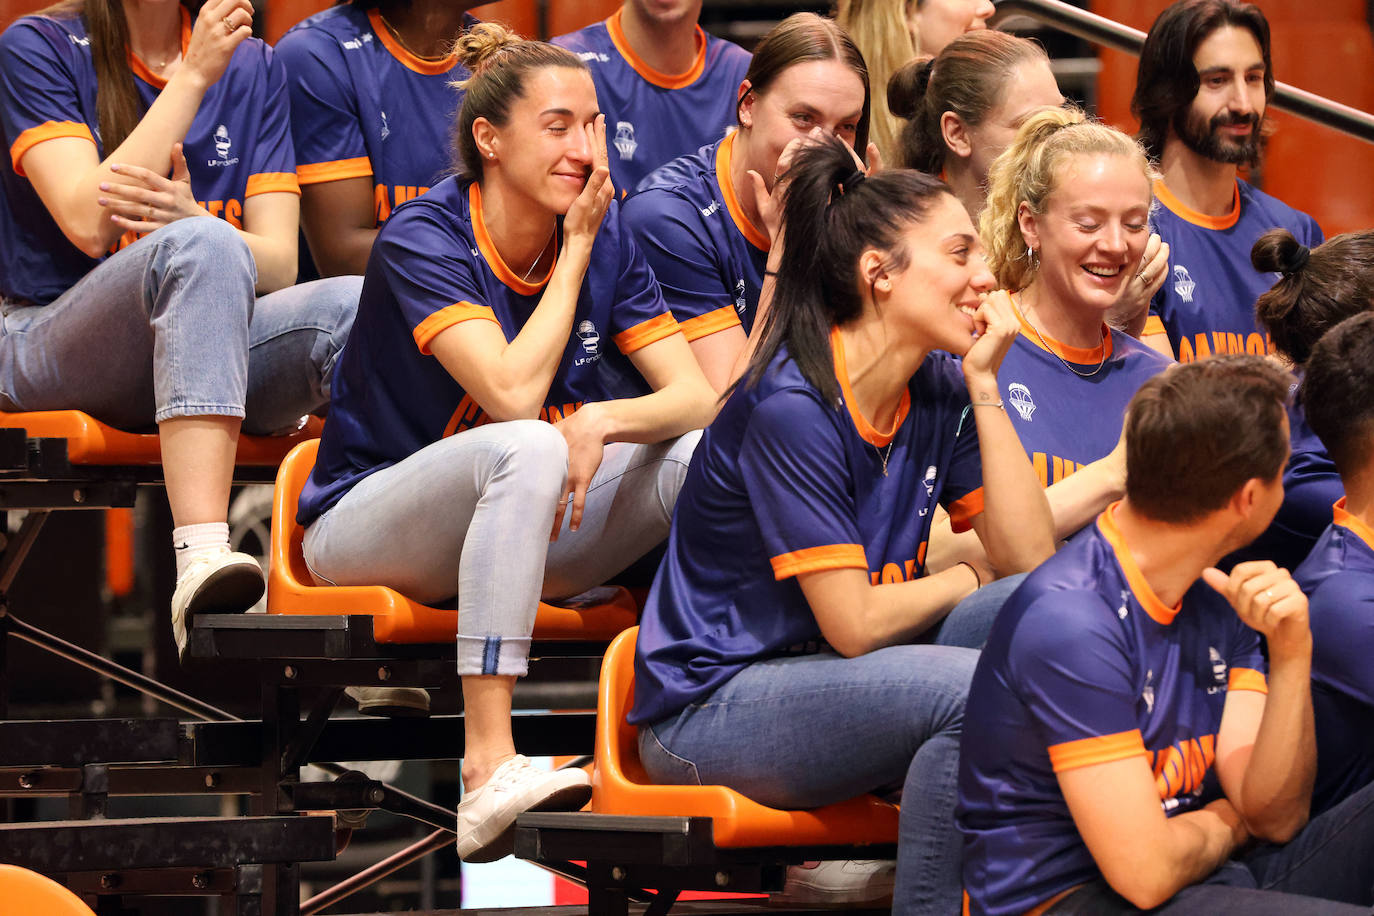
x=539, y=257
x=885, y=455
x=396, y=34
x=1067, y=365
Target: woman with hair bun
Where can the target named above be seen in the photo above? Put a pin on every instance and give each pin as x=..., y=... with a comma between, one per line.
x=1317, y=289
x=793, y=604
x=1066, y=224
x=471, y=424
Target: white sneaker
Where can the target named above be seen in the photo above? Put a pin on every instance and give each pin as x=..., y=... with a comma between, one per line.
x=486, y=816
x=217, y=583
x=393, y=702
x=838, y=883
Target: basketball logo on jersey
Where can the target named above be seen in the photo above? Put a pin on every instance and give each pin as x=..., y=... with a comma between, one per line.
x=1021, y=399
x=741, y=301
x=591, y=343
x=223, y=145
x=625, y=142
x=931, y=473
x=386, y=129
x=1183, y=283
x=1218, y=670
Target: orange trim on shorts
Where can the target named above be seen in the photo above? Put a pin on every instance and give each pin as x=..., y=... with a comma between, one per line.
x=1086, y=752
x=815, y=559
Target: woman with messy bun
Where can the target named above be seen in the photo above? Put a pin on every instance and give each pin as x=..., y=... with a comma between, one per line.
x=818, y=481
x=1317, y=289
x=471, y=423
x=1066, y=225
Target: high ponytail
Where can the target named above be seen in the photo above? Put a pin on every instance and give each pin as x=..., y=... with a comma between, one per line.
x=832, y=213
x=1318, y=289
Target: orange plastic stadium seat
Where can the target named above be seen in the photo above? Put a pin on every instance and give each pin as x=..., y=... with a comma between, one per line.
x=620, y=785
x=23, y=891
x=90, y=442
x=397, y=619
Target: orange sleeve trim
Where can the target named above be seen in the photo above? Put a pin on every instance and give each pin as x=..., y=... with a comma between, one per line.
x=446, y=318
x=713, y=321
x=1153, y=325
x=962, y=513
x=338, y=170
x=647, y=332
x=1248, y=679
x=271, y=182
x=815, y=559
x=48, y=130
x=1086, y=752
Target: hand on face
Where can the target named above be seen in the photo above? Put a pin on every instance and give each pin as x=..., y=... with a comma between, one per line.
x=1142, y=286
x=995, y=326
x=585, y=216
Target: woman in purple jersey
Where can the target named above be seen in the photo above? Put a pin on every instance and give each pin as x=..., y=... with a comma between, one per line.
x=817, y=648
x=188, y=323
x=490, y=305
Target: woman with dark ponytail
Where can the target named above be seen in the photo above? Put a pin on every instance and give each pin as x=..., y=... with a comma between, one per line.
x=794, y=587
x=1317, y=289
x=129, y=125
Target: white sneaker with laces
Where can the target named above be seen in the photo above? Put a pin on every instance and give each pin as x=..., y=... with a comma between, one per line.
x=219, y=583
x=486, y=816
x=839, y=883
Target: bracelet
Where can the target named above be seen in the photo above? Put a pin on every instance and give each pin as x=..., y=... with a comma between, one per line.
x=977, y=578
x=999, y=405
x=770, y=273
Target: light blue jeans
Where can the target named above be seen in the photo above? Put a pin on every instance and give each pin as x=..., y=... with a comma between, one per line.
x=471, y=515
x=810, y=730
x=170, y=327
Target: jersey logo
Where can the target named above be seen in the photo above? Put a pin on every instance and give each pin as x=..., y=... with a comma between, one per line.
x=1218, y=670
x=1124, y=610
x=589, y=56
x=1021, y=399
x=591, y=343
x=223, y=146
x=83, y=42
x=357, y=43
x=386, y=130
x=707, y=211
x=625, y=142
x=741, y=301
x=1148, y=694
x=931, y=473
x=1183, y=283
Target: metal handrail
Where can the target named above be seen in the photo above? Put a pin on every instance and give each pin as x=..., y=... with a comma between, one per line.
x=1102, y=31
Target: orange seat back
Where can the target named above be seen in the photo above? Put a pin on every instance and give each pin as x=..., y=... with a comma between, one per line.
x=26, y=892
x=621, y=786
x=397, y=619
x=90, y=442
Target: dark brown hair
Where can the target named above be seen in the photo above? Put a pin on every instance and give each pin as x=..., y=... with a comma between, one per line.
x=1196, y=433
x=969, y=77
x=803, y=37
x=1167, y=82
x=1338, y=392
x=499, y=61
x=1319, y=288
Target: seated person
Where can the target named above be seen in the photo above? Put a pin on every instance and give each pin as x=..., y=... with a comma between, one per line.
x=1316, y=290
x=122, y=297
x=793, y=603
x=665, y=86
x=373, y=98
x=1123, y=749
x=698, y=218
x=1066, y=226
x=470, y=425
x=1338, y=575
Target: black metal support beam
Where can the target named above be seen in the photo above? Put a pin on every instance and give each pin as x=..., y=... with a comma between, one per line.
x=75, y=742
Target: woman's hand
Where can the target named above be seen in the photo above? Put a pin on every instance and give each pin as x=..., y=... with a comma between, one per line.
x=584, y=431
x=1129, y=313
x=995, y=326
x=584, y=217
x=219, y=29
x=146, y=201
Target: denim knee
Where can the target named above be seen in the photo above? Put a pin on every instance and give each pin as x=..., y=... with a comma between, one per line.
x=534, y=460
x=215, y=254
x=334, y=309
x=674, y=470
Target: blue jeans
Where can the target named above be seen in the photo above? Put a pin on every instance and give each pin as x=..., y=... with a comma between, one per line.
x=1328, y=868
x=811, y=730
x=170, y=327
x=470, y=516
x=971, y=620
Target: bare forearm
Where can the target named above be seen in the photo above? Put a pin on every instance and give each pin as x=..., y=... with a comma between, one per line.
x=857, y=617
x=1197, y=844
x=275, y=259
x=1019, y=530
x=1276, y=795
x=1079, y=498
x=674, y=409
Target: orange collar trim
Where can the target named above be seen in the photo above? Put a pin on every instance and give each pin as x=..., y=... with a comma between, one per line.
x=143, y=72
x=1079, y=355
x=724, y=155
x=1348, y=521
x=411, y=61
x=1162, y=615
x=493, y=257
x=866, y=429
x=1186, y=213
x=650, y=75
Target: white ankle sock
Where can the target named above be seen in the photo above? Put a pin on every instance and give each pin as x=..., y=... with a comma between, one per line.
x=190, y=541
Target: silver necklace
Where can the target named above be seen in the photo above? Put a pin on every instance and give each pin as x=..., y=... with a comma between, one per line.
x=885, y=455
x=1067, y=365
x=539, y=257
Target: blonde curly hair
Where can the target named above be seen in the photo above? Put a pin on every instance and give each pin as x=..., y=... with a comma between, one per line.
x=1028, y=171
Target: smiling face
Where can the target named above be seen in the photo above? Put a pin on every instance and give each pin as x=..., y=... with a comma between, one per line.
x=667, y=12
x=935, y=23
x=935, y=295
x=822, y=94
x=1223, y=121
x=544, y=150
x=1030, y=87
x=1092, y=235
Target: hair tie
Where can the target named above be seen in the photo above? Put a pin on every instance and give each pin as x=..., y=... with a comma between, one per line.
x=852, y=182
x=1297, y=261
